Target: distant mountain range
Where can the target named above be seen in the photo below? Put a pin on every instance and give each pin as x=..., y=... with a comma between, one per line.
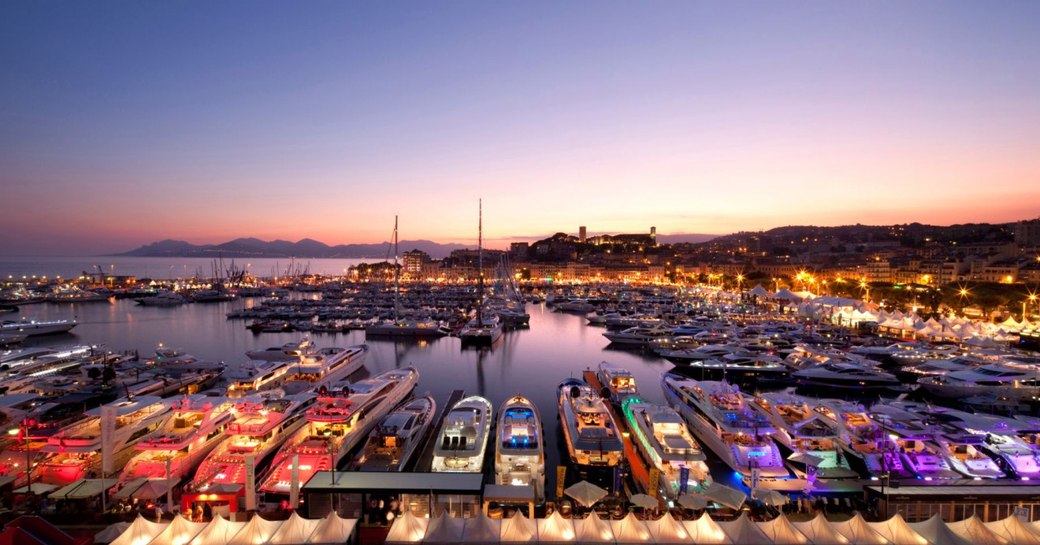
x=253, y=247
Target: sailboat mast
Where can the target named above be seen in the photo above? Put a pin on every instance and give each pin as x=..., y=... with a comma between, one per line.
x=480, y=261
x=397, y=278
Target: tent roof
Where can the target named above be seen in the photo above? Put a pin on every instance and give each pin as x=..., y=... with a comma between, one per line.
x=726, y=495
x=140, y=531
x=178, y=532
x=111, y=532
x=481, y=529
x=407, y=528
x=781, y=532
x=744, y=532
x=821, y=532
x=83, y=488
x=295, y=531
x=333, y=529
x=705, y=530
x=257, y=530
x=898, y=531
x=936, y=531
x=555, y=528
x=593, y=529
x=973, y=530
x=630, y=530
x=219, y=531
x=444, y=529
x=858, y=531
x=668, y=530
x=1014, y=531
x=518, y=529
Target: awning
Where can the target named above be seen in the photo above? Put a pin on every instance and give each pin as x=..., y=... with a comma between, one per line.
x=82, y=489
x=143, y=489
x=725, y=495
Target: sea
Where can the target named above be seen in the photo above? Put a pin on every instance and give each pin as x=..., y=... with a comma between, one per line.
x=530, y=362
x=167, y=268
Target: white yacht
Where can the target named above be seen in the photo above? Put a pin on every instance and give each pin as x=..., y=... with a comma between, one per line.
x=292, y=351
x=463, y=437
x=340, y=419
x=617, y=380
x=639, y=335
x=520, y=449
x=665, y=442
x=195, y=429
x=255, y=376
x=845, y=375
x=592, y=436
x=718, y=414
x=33, y=328
x=327, y=366
x=802, y=432
x=398, y=436
x=77, y=449
x=864, y=439
x=1016, y=382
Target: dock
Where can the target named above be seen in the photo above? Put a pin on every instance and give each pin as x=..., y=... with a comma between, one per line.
x=638, y=469
x=426, y=459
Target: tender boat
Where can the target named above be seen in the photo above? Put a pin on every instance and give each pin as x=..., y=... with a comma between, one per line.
x=77, y=449
x=721, y=419
x=463, y=437
x=338, y=421
x=592, y=436
x=262, y=423
x=664, y=440
x=617, y=380
x=196, y=428
x=520, y=450
x=398, y=437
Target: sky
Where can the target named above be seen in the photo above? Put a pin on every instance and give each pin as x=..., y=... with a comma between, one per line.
x=123, y=123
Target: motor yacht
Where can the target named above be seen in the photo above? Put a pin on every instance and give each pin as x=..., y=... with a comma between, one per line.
x=463, y=436
x=255, y=376
x=327, y=366
x=665, y=442
x=722, y=420
x=482, y=330
x=639, y=336
x=398, y=437
x=617, y=380
x=845, y=375
x=291, y=351
x=407, y=328
x=34, y=328
x=864, y=440
x=520, y=449
x=195, y=428
x=340, y=419
x=809, y=441
x=685, y=355
x=262, y=423
x=1018, y=382
x=78, y=449
x=592, y=436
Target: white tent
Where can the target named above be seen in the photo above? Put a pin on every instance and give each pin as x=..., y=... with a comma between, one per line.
x=897, y=531
x=219, y=531
x=859, y=531
x=140, y=532
x=668, y=530
x=593, y=529
x=744, y=532
x=113, y=531
x=332, y=529
x=726, y=495
x=555, y=528
x=705, y=530
x=258, y=530
x=937, y=532
x=444, y=529
x=1014, y=531
x=295, y=531
x=481, y=529
x=630, y=530
x=786, y=295
x=518, y=529
x=975, y=531
x=780, y=531
x=179, y=532
x=585, y=493
x=407, y=528
x=759, y=291
x=820, y=531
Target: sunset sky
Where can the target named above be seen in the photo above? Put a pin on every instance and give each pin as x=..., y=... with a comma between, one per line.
x=122, y=123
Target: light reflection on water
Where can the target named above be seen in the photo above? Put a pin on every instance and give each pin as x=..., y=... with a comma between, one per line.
x=530, y=362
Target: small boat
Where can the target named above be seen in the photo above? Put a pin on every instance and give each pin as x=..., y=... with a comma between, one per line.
x=463, y=437
x=592, y=436
x=398, y=436
x=666, y=443
x=520, y=451
x=617, y=380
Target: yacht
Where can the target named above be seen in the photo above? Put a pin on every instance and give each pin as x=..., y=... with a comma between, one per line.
x=163, y=299
x=407, y=327
x=802, y=431
x=398, y=436
x=77, y=449
x=720, y=418
x=747, y=364
x=262, y=423
x=682, y=355
x=845, y=375
x=864, y=439
x=592, y=436
x=484, y=329
x=463, y=437
x=1017, y=382
x=196, y=428
x=292, y=351
x=520, y=450
x=340, y=419
x=617, y=380
x=255, y=376
x=329, y=365
x=665, y=442
x=639, y=335
x=34, y=328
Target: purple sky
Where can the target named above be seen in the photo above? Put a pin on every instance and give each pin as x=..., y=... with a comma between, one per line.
x=122, y=123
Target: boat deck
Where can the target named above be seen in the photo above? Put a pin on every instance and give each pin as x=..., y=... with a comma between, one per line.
x=426, y=458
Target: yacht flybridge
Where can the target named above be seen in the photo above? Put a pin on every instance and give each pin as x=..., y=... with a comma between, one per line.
x=463, y=437
x=520, y=450
x=593, y=438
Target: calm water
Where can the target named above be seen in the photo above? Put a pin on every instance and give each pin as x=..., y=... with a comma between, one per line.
x=530, y=362
x=165, y=268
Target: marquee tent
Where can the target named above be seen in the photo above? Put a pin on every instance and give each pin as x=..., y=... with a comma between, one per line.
x=668, y=530
x=975, y=531
x=1014, y=531
x=821, y=532
x=518, y=529
x=140, y=532
x=295, y=530
x=219, y=531
x=332, y=529
x=630, y=530
x=705, y=530
x=555, y=528
x=407, y=528
x=482, y=529
x=444, y=529
x=178, y=532
x=781, y=532
x=593, y=529
x=938, y=533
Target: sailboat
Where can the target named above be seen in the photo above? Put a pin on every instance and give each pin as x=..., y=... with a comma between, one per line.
x=400, y=327
x=485, y=328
